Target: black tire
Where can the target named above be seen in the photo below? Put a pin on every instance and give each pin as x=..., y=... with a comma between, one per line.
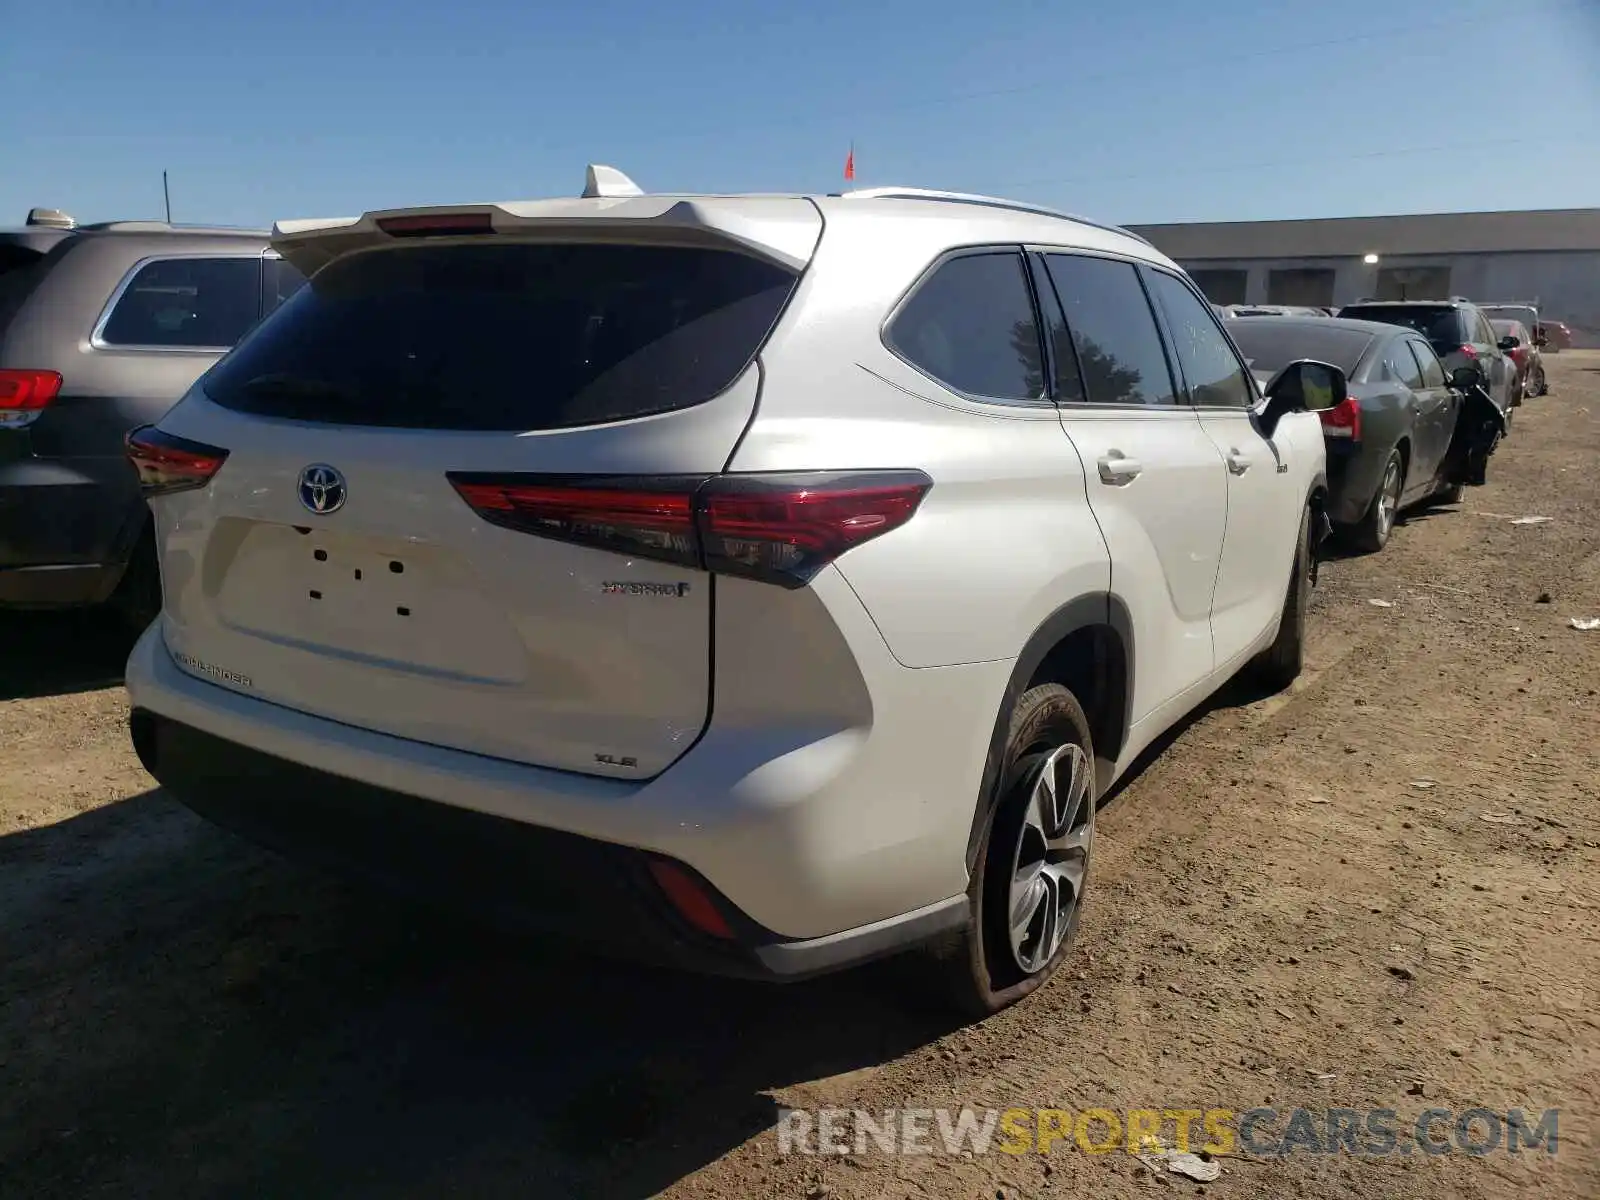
x=1280, y=664
x=980, y=969
x=1541, y=385
x=137, y=600
x=1371, y=534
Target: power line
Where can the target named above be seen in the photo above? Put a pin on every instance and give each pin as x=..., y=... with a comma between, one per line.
x=1140, y=67
x=1232, y=167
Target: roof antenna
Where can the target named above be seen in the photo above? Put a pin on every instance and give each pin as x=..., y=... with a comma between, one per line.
x=606, y=182
x=166, y=195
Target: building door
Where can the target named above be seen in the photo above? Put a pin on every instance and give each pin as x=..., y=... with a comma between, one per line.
x=1301, y=285
x=1221, y=285
x=1413, y=283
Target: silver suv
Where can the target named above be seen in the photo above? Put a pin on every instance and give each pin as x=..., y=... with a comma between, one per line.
x=757, y=583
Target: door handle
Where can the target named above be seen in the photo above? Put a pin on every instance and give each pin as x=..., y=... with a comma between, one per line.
x=1117, y=468
x=1238, y=463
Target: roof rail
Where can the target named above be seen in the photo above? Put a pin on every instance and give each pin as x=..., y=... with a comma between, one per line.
x=911, y=193
x=51, y=218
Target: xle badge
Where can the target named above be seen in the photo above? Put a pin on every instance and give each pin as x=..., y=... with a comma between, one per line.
x=618, y=587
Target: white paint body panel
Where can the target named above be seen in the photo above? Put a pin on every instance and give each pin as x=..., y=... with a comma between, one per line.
x=822, y=768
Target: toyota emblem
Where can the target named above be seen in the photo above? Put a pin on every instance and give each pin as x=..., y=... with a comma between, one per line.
x=322, y=489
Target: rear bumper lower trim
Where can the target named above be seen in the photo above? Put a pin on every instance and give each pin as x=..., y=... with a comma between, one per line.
x=595, y=893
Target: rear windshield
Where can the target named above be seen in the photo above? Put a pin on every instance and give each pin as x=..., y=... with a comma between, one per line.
x=507, y=336
x=1269, y=346
x=1441, y=326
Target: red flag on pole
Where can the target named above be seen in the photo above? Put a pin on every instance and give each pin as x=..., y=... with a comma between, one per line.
x=850, y=163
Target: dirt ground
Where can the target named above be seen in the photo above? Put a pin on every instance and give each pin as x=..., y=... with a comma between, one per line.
x=1280, y=916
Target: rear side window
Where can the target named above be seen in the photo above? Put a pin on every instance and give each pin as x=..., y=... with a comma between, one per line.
x=971, y=326
x=1212, y=370
x=192, y=303
x=513, y=336
x=1113, y=330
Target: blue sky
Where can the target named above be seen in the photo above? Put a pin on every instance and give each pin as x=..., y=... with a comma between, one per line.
x=1153, y=110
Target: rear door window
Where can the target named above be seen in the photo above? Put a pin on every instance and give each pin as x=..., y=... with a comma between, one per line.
x=188, y=303
x=515, y=336
x=1114, y=333
x=971, y=325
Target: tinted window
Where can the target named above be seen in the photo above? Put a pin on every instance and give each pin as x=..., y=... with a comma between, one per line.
x=1441, y=326
x=1069, y=384
x=971, y=326
x=508, y=337
x=1270, y=345
x=279, y=281
x=1433, y=375
x=18, y=274
x=1212, y=370
x=1113, y=330
x=200, y=302
x=1403, y=365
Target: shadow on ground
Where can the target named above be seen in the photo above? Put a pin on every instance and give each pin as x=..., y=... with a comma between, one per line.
x=58, y=653
x=182, y=1015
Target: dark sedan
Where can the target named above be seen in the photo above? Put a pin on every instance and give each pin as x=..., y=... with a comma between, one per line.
x=1387, y=443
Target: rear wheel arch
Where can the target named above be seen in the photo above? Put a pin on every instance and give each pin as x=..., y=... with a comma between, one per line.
x=1086, y=646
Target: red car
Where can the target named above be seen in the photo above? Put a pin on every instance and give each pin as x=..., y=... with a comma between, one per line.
x=1518, y=343
x=1557, y=336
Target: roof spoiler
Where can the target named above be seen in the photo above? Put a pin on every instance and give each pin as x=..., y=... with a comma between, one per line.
x=50, y=218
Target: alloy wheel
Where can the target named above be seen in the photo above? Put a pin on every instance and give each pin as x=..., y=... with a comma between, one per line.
x=1389, y=498
x=1051, y=858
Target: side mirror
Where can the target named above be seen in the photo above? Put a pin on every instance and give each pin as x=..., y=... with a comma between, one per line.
x=1305, y=385
x=1464, y=379
x=1509, y=343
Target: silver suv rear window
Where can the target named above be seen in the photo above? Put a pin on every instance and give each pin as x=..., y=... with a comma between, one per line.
x=506, y=336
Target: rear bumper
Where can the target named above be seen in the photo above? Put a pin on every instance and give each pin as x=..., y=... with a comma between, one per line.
x=68, y=585
x=832, y=842
x=598, y=894
x=1352, y=482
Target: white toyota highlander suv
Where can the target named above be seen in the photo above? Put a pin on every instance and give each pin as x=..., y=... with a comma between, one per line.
x=756, y=583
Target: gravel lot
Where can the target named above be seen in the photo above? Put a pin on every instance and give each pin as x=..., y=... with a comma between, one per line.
x=1281, y=916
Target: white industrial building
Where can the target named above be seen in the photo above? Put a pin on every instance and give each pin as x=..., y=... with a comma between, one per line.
x=1549, y=256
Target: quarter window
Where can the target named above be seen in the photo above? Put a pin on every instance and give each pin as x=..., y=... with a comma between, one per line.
x=1114, y=333
x=1215, y=376
x=1433, y=375
x=1403, y=366
x=971, y=326
x=198, y=303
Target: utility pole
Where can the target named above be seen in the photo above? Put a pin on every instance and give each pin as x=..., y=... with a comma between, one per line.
x=167, y=196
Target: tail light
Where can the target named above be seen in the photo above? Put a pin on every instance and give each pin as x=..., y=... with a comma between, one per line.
x=780, y=529
x=25, y=394
x=1517, y=354
x=1470, y=351
x=1343, y=420
x=167, y=463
